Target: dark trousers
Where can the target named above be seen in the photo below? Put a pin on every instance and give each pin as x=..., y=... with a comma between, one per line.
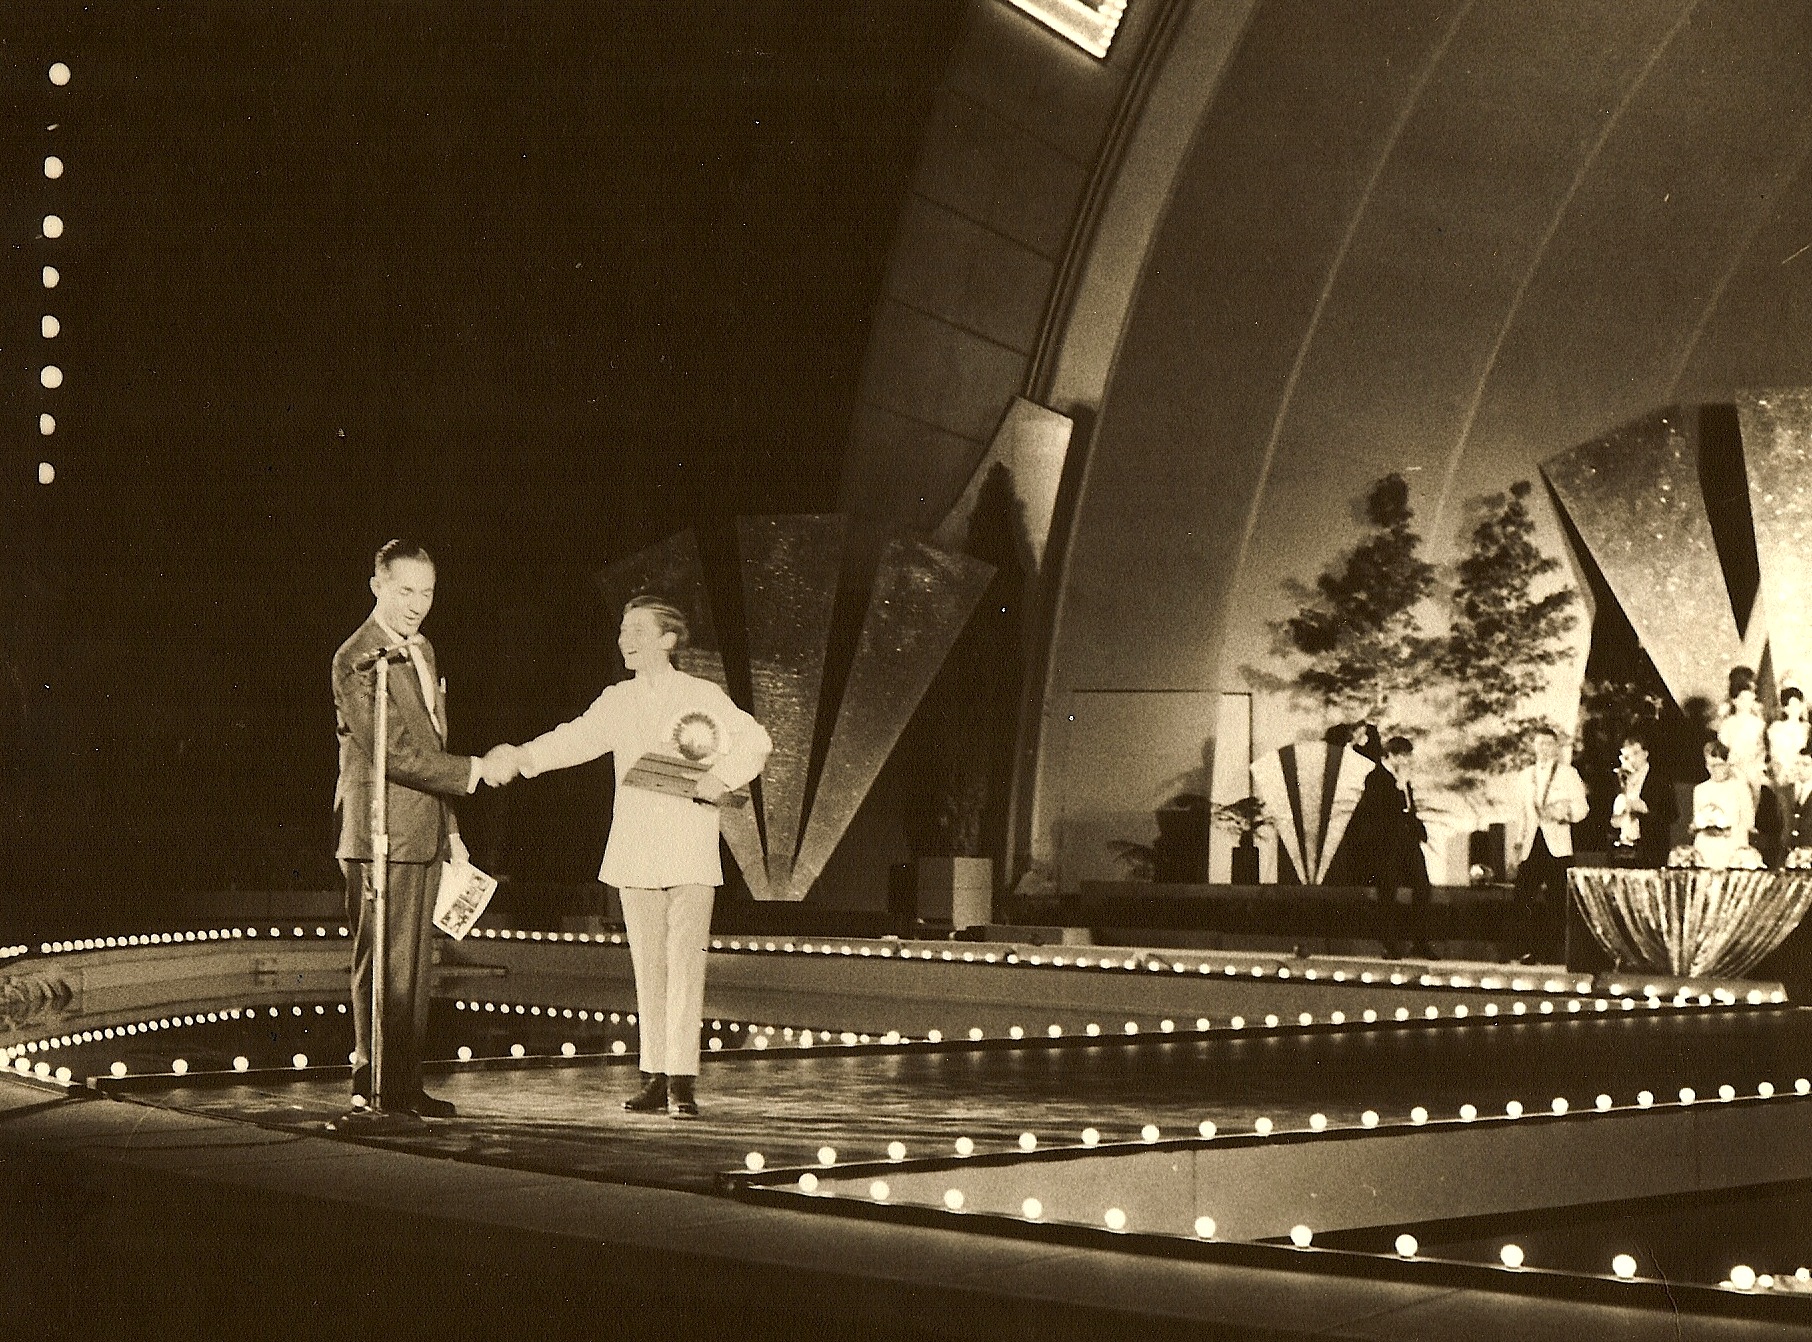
x=1541, y=897
x=408, y=982
x=1400, y=924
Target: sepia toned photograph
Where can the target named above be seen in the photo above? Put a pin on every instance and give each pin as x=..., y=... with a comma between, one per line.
x=906, y=669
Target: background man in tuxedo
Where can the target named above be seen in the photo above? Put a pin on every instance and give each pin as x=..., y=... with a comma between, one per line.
x=421, y=777
x=1797, y=832
x=1551, y=799
x=1642, y=813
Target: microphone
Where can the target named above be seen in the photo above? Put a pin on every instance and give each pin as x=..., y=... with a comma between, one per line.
x=396, y=653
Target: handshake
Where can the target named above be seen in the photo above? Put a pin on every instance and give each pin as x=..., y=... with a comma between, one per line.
x=500, y=765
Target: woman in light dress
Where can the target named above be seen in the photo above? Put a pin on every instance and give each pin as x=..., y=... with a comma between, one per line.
x=1744, y=734
x=1723, y=815
x=1787, y=737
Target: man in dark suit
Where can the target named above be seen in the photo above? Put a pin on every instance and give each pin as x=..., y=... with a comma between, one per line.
x=1642, y=813
x=1390, y=850
x=421, y=777
x=1797, y=805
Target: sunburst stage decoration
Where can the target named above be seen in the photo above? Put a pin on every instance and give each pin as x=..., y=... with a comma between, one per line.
x=791, y=567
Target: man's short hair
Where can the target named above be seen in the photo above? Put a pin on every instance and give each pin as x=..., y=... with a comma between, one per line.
x=392, y=550
x=1635, y=739
x=1716, y=749
x=670, y=618
x=1546, y=729
x=1399, y=745
x=1792, y=692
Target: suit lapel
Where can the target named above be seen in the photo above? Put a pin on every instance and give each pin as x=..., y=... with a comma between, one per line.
x=437, y=711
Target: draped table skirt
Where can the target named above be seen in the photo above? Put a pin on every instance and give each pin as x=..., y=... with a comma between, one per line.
x=1690, y=921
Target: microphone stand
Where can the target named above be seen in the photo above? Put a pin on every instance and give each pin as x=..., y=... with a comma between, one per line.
x=380, y=869
x=375, y=1116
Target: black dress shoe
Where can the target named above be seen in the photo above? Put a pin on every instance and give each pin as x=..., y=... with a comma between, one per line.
x=652, y=1097
x=432, y=1106
x=685, y=1103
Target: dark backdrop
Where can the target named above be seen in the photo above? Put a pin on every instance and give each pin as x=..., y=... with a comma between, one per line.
x=535, y=283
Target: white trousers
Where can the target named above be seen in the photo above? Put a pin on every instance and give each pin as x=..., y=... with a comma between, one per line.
x=668, y=935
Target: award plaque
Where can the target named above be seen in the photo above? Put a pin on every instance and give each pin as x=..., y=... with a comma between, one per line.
x=690, y=745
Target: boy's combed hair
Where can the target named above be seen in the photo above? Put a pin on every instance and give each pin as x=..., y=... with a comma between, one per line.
x=670, y=617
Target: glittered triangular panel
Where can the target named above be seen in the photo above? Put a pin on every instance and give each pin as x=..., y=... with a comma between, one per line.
x=1633, y=497
x=922, y=597
x=1777, y=450
x=789, y=585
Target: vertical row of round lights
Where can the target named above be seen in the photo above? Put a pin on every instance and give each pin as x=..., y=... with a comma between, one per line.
x=50, y=373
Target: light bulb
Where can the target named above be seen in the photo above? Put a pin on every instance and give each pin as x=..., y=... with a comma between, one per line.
x=1407, y=1246
x=1624, y=1266
x=1031, y=1209
x=1511, y=1255
x=755, y=1161
x=1301, y=1236
x=1204, y=1227
x=953, y=1199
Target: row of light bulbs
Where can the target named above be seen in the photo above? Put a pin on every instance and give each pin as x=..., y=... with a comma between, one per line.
x=1628, y=996
x=1623, y=1266
x=50, y=375
x=1207, y=1129
x=19, y=1055
x=176, y=938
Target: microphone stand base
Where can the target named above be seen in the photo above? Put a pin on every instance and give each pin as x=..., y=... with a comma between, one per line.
x=368, y=1122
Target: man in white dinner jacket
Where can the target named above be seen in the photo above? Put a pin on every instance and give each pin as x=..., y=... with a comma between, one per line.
x=1550, y=800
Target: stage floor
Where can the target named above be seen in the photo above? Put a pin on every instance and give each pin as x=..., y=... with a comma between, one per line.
x=1307, y=1101
x=559, y=1115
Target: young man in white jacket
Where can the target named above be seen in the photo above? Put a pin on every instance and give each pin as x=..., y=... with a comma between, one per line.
x=662, y=854
x=1550, y=799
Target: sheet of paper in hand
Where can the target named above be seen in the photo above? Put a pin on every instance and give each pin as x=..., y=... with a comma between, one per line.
x=464, y=893
x=691, y=744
